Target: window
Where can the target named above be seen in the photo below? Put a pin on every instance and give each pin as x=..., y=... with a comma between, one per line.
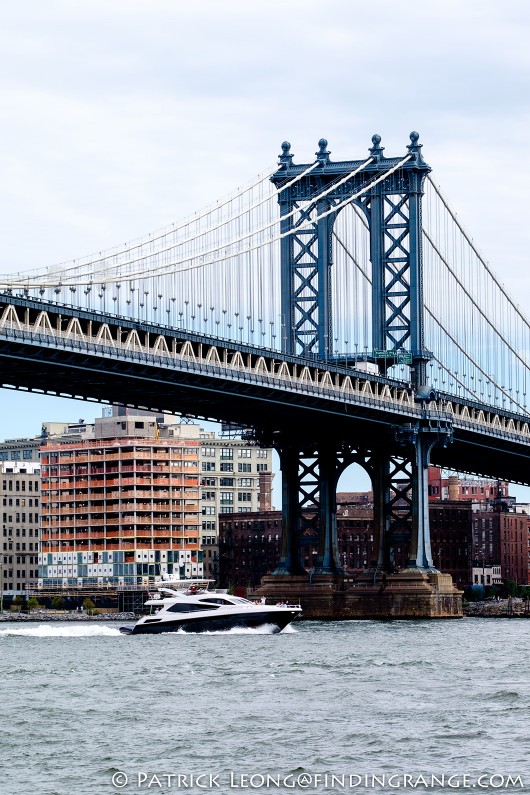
x=208, y=495
x=208, y=510
x=3, y=455
x=227, y=496
x=216, y=600
x=27, y=454
x=262, y=467
x=226, y=467
x=245, y=453
x=15, y=455
x=186, y=607
x=227, y=453
x=248, y=482
x=226, y=481
x=209, y=481
x=208, y=451
x=262, y=453
x=245, y=467
x=244, y=496
x=208, y=466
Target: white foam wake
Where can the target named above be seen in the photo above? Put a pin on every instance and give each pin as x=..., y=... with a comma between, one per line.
x=265, y=629
x=92, y=631
x=49, y=631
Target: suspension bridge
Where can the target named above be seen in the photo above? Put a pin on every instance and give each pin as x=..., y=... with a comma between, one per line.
x=339, y=309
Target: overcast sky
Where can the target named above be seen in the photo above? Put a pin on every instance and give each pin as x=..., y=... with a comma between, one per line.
x=117, y=118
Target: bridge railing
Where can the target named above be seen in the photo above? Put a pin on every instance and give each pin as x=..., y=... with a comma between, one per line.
x=338, y=384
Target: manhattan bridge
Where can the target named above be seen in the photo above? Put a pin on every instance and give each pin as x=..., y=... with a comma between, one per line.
x=338, y=309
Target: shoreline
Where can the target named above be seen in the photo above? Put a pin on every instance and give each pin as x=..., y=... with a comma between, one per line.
x=513, y=607
x=6, y=618
x=471, y=610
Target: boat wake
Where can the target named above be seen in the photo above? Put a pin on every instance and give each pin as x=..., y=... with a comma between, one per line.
x=265, y=629
x=49, y=631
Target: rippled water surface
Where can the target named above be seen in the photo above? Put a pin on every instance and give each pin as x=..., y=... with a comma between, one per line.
x=82, y=702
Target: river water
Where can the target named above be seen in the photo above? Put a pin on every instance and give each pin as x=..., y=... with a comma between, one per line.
x=81, y=703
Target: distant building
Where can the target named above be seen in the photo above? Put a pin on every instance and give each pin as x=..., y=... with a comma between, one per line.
x=250, y=545
x=121, y=507
x=486, y=575
x=20, y=495
x=451, y=523
x=515, y=547
x=236, y=477
x=454, y=487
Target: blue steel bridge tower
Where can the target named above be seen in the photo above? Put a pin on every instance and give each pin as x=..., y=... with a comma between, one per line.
x=388, y=191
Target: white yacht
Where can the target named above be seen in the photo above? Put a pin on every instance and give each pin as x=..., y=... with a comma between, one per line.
x=189, y=606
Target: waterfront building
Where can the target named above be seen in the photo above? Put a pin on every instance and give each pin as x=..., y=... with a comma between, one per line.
x=122, y=507
x=250, y=545
x=452, y=526
x=236, y=478
x=515, y=547
x=486, y=575
x=20, y=496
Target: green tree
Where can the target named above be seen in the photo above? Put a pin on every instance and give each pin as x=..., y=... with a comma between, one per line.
x=89, y=606
x=57, y=603
x=33, y=603
x=19, y=601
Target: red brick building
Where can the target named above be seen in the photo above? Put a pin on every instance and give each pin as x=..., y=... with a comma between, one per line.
x=250, y=544
x=458, y=488
x=514, y=547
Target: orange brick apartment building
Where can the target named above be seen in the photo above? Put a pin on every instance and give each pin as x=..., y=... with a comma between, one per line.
x=119, y=510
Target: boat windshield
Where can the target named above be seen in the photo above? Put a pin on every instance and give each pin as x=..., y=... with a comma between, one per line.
x=240, y=600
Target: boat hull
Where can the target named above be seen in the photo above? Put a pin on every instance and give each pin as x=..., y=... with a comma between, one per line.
x=279, y=619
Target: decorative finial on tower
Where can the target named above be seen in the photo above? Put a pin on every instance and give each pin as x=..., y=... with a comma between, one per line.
x=323, y=154
x=375, y=150
x=415, y=148
x=286, y=158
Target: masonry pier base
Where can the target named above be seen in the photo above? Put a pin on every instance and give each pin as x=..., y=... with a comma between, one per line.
x=410, y=594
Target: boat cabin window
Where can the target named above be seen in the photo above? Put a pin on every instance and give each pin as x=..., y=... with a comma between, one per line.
x=217, y=601
x=187, y=607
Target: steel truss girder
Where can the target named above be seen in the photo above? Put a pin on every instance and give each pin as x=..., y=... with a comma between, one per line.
x=393, y=211
x=310, y=474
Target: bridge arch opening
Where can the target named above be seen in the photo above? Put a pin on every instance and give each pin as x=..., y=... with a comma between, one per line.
x=351, y=287
x=355, y=517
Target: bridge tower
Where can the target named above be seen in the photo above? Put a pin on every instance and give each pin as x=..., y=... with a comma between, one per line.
x=389, y=193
